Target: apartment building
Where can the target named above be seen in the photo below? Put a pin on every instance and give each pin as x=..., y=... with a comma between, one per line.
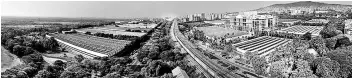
x=252, y=22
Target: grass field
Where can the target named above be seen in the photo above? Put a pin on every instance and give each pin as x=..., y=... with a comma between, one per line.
x=8, y=60
x=214, y=31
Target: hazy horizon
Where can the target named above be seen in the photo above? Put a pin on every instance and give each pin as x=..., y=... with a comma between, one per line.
x=128, y=9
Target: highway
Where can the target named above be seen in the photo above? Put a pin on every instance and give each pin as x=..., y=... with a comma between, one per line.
x=211, y=66
x=192, y=60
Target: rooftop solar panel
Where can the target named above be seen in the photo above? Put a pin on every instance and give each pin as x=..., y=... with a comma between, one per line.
x=262, y=45
x=303, y=29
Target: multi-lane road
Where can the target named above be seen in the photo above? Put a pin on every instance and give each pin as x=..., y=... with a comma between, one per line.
x=209, y=66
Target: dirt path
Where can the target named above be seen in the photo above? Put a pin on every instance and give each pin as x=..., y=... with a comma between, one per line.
x=8, y=60
x=51, y=60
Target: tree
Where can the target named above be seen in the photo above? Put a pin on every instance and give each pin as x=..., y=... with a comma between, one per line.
x=199, y=35
x=307, y=36
x=319, y=45
x=259, y=65
x=141, y=55
x=10, y=43
x=31, y=71
x=279, y=68
x=326, y=68
x=343, y=41
x=22, y=50
x=157, y=68
x=164, y=43
x=51, y=44
x=344, y=58
x=249, y=56
x=76, y=71
x=303, y=70
x=79, y=58
x=33, y=58
x=153, y=55
x=54, y=70
x=44, y=74
x=67, y=74
x=229, y=48
x=338, y=23
x=59, y=63
x=330, y=43
x=167, y=55
x=329, y=31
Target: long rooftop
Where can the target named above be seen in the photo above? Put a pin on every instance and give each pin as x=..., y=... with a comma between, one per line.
x=262, y=45
x=315, y=30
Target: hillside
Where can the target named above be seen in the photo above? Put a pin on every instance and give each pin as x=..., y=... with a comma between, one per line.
x=305, y=6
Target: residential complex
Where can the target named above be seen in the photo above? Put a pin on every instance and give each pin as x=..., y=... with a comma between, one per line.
x=204, y=16
x=254, y=22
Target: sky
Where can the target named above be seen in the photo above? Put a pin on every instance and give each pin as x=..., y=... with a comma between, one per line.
x=126, y=9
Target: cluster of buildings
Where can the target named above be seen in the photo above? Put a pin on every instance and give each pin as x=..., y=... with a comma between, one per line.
x=257, y=24
x=203, y=17
x=253, y=22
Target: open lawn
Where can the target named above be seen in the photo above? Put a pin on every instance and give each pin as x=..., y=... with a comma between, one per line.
x=8, y=60
x=214, y=31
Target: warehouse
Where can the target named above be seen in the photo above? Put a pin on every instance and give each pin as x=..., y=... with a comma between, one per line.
x=261, y=46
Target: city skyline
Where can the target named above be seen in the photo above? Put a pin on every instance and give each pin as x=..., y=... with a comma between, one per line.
x=127, y=9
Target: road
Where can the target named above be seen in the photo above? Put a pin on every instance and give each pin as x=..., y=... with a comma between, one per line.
x=211, y=66
x=245, y=69
x=192, y=60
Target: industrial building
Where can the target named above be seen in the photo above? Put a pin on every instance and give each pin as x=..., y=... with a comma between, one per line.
x=261, y=46
x=300, y=30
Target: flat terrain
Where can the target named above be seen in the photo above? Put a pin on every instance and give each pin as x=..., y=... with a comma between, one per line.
x=214, y=31
x=8, y=60
x=27, y=26
x=111, y=29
